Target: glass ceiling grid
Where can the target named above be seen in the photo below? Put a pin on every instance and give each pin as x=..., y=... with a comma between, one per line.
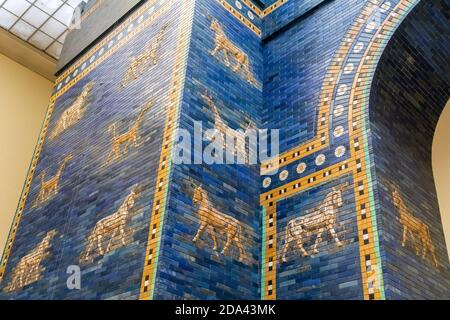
x=42, y=23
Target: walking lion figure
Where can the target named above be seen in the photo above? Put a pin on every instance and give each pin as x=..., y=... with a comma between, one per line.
x=229, y=49
x=149, y=58
x=29, y=269
x=74, y=113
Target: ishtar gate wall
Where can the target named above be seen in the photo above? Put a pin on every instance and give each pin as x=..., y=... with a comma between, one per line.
x=355, y=88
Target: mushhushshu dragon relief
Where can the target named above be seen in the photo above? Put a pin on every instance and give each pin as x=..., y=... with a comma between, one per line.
x=228, y=49
x=111, y=230
x=74, y=113
x=215, y=222
x=29, y=268
x=417, y=230
x=229, y=135
x=122, y=142
x=144, y=61
x=50, y=188
x=316, y=221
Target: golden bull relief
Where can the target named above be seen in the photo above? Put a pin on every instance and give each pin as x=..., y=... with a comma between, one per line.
x=415, y=228
x=74, y=113
x=214, y=221
x=318, y=221
x=231, y=52
x=49, y=188
x=29, y=268
x=122, y=142
x=110, y=230
x=141, y=63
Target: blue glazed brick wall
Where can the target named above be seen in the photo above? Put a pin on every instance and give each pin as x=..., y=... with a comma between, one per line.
x=287, y=13
x=267, y=2
x=410, y=90
x=312, y=71
x=295, y=65
x=333, y=273
x=296, y=61
x=246, y=12
x=90, y=190
x=190, y=270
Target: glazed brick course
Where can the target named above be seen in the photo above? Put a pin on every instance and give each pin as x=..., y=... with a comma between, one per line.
x=344, y=88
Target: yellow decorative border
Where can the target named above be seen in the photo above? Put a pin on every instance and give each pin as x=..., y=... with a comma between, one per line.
x=167, y=5
x=164, y=171
x=356, y=165
x=240, y=17
x=260, y=13
x=307, y=182
x=269, y=264
x=253, y=7
x=26, y=189
x=370, y=268
x=329, y=85
x=369, y=257
x=30, y=175
x=272, y=8
x=264, y=13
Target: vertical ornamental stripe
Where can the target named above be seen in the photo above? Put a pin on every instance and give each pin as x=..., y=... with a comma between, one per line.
x=269, y=266
x=374, y=53
x=263, y=254
x=164, y=172
x=360, y=162
x=26, y=189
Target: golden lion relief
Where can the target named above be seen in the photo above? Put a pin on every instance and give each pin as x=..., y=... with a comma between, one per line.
x=415, y=228
x=29, y=268
x=141, y=63
x=229, y=50
x=74, y=113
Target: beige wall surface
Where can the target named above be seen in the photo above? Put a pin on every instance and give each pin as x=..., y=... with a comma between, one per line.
x=24, y=96
x=441, y=168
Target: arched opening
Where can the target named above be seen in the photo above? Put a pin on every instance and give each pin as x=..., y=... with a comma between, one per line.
x=441, y=169
x=409, y=91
